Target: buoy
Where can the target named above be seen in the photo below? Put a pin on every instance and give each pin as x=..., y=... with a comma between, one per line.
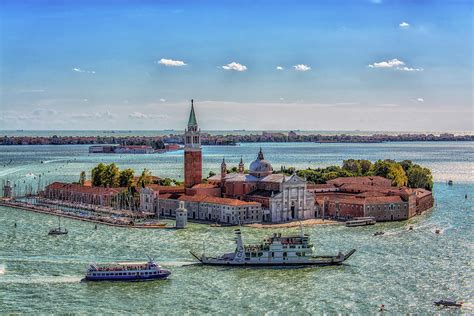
x=382, y=308
x=15, y=225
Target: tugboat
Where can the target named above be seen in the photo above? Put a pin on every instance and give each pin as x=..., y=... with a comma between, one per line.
x=58, y=230
x=276, y=250
x=127, y=271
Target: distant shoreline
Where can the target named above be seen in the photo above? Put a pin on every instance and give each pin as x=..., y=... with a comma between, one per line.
x=231, y=139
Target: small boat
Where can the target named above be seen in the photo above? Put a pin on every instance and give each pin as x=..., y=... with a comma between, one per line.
x=448, y=303
x=379, y=233
x=360, y=221
x=127, y=271
x=410, y=227
x=450, y=182
x=58, y=230
x=438, y=231
x=277, y=250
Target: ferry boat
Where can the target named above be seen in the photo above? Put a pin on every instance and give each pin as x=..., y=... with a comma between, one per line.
x=276, y=250
x=127, y=271
x=360, y=221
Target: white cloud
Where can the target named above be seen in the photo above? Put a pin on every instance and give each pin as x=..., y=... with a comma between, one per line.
x=83, y=71
x=388, y=64
x=235, y=66
x=279, y=68
x=95, y=115
x=404, y=25
x=138, y=115
x=394, y=64
x=420, y=100
x=162, y=100
x=171, y=62
x=302, y=67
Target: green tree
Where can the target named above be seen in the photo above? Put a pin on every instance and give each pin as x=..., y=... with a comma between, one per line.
x=126, y=178
x=145, y=178
x=397, y=175
x=112, y=176
x=419, y=177
x=406, y=165
x=353, y=166
x=82, y=178
x=211, y=174
x=98, y=175
x=365, y=166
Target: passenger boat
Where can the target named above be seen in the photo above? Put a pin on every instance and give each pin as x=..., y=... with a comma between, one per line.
x=276, y=250
x=360, y=221
x=127, y=271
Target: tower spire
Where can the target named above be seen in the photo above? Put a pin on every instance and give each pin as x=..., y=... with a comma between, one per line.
x=192, y=116
x=260, y=154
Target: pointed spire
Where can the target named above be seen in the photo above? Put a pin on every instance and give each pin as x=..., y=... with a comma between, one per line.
x=241, y=160
x=260, y=154
x=192, y=116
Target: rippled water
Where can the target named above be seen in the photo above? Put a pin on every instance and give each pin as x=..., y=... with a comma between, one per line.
x=405, y=270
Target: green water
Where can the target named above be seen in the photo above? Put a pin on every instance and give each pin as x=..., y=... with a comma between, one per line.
x=405, y=270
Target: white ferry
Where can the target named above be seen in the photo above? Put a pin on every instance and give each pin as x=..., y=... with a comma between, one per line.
x=276, y=250
x=126, y=271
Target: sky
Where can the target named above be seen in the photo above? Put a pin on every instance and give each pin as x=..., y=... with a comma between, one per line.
x=372, y=65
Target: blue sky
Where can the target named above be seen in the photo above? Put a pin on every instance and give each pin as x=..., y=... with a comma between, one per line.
x=346, y=65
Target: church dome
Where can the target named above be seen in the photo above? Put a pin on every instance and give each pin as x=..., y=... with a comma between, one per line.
x=260, y=167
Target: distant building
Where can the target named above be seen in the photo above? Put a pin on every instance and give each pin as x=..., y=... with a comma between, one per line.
x=82, y=194
x=370, y=196
x=137, y=149
x=211, y=209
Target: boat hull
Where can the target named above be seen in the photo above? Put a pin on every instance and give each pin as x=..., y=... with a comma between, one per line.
x=127, y=278
x=314, y=261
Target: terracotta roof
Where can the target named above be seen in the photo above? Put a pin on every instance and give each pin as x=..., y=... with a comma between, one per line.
x=205, y=186
x=370, y=180
x=165, y=188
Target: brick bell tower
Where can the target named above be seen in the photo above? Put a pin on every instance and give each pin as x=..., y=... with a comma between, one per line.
x=192, y=151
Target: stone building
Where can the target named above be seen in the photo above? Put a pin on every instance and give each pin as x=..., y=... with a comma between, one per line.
x=212, y=209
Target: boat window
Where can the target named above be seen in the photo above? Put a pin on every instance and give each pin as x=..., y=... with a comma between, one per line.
x=285, y=254
x=273, y=254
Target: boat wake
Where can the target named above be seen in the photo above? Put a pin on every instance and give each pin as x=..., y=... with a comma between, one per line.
x=40, y=279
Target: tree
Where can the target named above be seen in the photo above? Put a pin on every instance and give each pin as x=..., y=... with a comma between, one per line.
x=98, y=175
x=353, y=166
x=82, y=178
x=419, y=177
x=111, y=176
x=406, y=165
x=145, y=178
x=211, y=174
x=397, y=175
x=126, y=178
x=365, y=166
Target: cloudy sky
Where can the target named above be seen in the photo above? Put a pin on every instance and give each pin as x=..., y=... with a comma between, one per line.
x=311, y=65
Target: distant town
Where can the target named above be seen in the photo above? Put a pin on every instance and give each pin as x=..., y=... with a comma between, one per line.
x=161, y=142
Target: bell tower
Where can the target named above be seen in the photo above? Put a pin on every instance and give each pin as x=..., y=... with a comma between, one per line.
x=192, y=151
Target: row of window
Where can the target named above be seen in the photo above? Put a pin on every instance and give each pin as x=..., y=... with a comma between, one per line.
x=125, y=273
